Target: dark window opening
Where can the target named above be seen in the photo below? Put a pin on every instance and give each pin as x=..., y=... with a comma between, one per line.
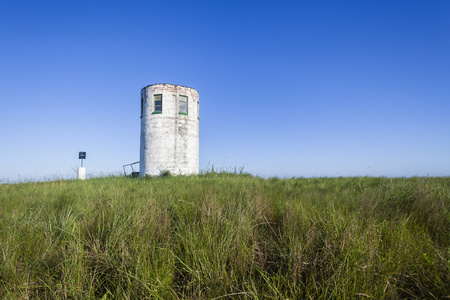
x=158, y=103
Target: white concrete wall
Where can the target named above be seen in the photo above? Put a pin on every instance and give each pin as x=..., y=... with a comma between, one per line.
x=169, y=141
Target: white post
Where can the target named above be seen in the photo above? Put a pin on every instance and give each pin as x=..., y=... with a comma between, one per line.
x=81, y=173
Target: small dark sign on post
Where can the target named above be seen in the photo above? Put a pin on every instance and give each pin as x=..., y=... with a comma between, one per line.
x=82, y=155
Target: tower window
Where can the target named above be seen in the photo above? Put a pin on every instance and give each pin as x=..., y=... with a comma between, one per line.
x=183, y=109
x=158, y=104
x=143, y=97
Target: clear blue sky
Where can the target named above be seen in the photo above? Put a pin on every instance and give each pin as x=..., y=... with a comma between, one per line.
x=287, y=88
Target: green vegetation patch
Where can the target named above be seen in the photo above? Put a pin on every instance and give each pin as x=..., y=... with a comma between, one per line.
x=226, y=236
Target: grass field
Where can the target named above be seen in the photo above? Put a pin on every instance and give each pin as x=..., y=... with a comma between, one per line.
x=226, y=236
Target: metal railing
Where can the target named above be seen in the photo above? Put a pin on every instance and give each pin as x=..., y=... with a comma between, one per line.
x=133, y=172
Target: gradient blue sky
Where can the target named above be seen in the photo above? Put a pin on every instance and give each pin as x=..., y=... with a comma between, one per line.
x=287, y=88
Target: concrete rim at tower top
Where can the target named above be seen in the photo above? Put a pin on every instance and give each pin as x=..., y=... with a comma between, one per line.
x=169, y=84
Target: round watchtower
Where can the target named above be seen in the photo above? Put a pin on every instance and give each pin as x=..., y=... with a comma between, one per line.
x=169, y=130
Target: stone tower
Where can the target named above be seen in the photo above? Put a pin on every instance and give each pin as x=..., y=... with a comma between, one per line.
x=169, y=130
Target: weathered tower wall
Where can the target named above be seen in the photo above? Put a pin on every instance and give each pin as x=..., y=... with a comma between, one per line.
x=169, y=130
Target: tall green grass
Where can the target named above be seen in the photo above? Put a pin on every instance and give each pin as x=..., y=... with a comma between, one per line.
x=226, y=236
